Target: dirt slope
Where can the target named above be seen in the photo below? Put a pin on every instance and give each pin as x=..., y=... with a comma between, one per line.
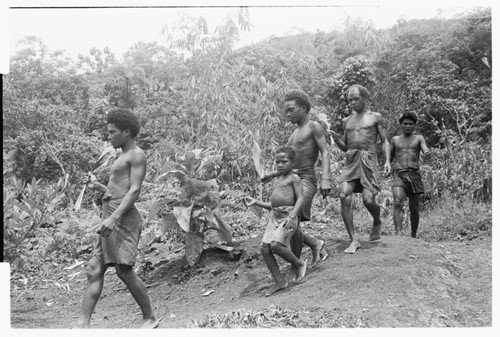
x=393, y=282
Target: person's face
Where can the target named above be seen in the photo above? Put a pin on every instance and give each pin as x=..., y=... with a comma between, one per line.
x=283, y=163
x=407, y=126
x=117, y=138
x=356, y=101
x=294, y=112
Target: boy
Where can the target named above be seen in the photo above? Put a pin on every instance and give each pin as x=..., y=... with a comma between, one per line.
x=405, y=153
x=286, y=202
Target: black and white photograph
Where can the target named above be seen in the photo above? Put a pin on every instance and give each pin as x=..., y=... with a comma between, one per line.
x=248, y=165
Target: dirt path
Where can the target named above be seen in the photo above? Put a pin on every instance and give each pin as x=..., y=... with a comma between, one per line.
x=394, y=282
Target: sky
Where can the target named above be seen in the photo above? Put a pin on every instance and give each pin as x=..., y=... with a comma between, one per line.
x=77, y=30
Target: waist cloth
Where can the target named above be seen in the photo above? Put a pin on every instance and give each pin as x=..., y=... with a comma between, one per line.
x=309, y=187
x=359, y=166
x=275, y=229
x=120, y=247
x=408, y=178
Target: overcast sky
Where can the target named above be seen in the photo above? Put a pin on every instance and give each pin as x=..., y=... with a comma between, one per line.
x=77, y=30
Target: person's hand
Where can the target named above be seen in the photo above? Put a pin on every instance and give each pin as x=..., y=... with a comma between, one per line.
x=324, y=188
x=106, y=227
x=90, y=180
x=290, y=222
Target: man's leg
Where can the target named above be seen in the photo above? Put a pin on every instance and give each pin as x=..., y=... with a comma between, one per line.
x=345, y=190
x=95, y=281
x=374, y=209
x=296, y=246
x=139, y=293
x=399, y=197
x=413, y=202
x=279, y=282
x=316, y=246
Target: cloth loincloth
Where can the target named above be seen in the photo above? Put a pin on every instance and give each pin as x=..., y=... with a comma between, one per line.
x=410, y=179
x=120, y=247
x=275, y=230
x=309, y=187
x=359, y=166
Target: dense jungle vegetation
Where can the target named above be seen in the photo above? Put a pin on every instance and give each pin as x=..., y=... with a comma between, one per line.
x=204, y=106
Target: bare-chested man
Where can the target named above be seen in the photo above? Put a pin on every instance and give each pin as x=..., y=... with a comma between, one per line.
x=121, y=227
x=361, y=131
x=405, y=153
x=308, y=140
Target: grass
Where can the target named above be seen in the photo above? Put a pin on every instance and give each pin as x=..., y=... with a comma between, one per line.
x=279, y=317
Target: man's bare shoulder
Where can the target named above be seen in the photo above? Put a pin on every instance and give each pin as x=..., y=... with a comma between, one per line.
x=135, y=155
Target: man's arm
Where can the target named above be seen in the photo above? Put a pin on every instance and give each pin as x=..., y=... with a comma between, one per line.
x=137, y=174
x=320, y=140
x=341, y=143
x=385, y=143
x=392, y=149
x=425, y=150
x=297, y=189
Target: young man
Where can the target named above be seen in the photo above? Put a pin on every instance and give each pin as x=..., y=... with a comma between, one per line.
x=405, y=154
x=308, y=140
x=361, y=131
x=286, y=201
x=121, y=227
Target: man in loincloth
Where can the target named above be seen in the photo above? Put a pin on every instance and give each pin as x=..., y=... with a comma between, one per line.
x=361, y=131
x=121, y=227
x=407, y=179
x=286, y=201
x=308, y=140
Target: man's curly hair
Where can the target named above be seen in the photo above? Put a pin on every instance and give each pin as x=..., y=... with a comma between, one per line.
x=124, y=119
x=362, y=90
x=408, y=115
x=300, y=97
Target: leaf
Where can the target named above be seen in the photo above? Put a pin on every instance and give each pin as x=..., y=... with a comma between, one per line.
x=257, y=211
x=195, y=187
x=224, y=230
x=194, y=247
x=157, y=207
x=183, y=216
x=256, y=154
x=169, y=221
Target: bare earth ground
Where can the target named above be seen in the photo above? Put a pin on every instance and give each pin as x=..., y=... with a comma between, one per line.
x=392, y=282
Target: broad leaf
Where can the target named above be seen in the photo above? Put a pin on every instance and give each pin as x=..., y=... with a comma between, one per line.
x=169, y=222
x=183, y=216
x=194, y=247
x=157, y=207
x=195, y=187
x=225, y=231
x=256, y=156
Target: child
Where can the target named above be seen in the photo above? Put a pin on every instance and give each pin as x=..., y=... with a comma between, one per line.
x=286, y=201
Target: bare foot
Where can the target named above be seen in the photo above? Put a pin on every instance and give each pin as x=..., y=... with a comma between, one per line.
x=353, y=247
x=149, y=323
x=291, y=274
x=375, y=234
x=80, y=326
x=276, y=287
x=301, y=272
x=316, y=251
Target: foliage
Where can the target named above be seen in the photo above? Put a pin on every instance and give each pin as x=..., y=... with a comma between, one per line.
x=193, y=208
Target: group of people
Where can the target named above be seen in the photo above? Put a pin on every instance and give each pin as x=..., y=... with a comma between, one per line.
x=294, y=188
x=291, y=203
